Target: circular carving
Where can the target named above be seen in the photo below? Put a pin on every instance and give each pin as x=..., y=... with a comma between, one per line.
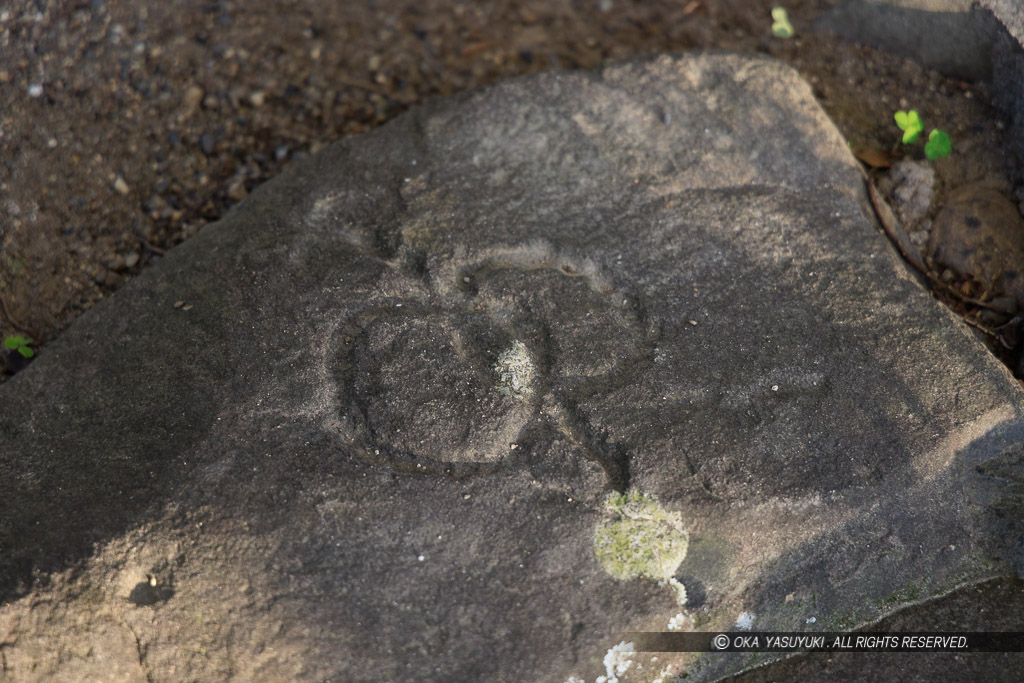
x=423, y=391
x=450, y=385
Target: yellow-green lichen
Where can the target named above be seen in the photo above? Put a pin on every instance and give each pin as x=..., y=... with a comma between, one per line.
x=639, y=538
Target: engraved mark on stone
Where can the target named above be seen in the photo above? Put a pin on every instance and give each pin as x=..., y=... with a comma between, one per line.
x=423, y=394
x=522, y=339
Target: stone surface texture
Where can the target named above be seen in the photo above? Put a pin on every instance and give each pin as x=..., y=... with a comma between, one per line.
x=372, y=425
x=912, y=184
x=951, y=36
x=1010, y=13
x=1008, y=70
x=979, y=233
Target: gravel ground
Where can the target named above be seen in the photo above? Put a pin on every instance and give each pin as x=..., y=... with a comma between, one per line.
x=125, y=127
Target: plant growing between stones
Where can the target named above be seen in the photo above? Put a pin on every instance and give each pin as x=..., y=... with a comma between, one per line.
x=781, y=28
x=910, y=123
x=938, y=144
x=20, y=344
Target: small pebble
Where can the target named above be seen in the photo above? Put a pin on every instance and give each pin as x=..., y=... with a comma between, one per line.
x=121, y=186
x=207, y=143
x=193, y=96
x=237, y=191
x=35, y=90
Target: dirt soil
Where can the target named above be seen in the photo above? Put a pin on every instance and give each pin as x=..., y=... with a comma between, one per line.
x=125, y=127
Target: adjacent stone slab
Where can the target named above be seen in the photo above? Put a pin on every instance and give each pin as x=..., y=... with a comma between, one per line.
x=980, y=40
x=949, y=36
x=470, y=395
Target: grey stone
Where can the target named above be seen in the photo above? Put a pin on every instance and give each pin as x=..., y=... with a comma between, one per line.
x=951, y=36
x=980, y=234
x=988, y=608
x=372, y=425
x=1010, y=13
x=1008, y=72
x=913, y=191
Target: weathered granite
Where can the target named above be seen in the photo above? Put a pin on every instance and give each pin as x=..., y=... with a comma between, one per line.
x=1010, y=13
x=370, y=425
x=1008, y=71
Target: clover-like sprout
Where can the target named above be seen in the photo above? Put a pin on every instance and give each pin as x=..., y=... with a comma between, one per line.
x=781, y=28
x=910, y=123
x=938, y=145
x=20, y=344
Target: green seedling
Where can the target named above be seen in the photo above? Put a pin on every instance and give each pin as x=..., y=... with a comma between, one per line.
x=938, y=145
x=781, y=28
x=20, y=344
x=910, y=123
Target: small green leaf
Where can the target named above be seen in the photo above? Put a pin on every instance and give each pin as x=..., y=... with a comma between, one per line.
x=781, y=28
x=19, y=344
x=910, y=123
x=938, y=145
